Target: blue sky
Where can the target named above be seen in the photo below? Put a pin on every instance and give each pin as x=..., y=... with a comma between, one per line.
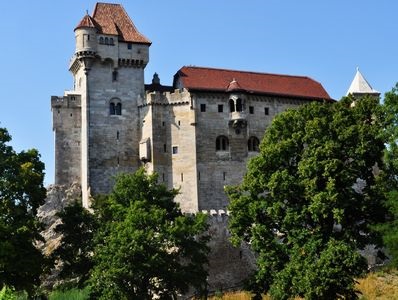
x=325, y=40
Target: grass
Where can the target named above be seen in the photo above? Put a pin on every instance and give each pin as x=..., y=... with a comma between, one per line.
x=72, y=294
x=381, y=285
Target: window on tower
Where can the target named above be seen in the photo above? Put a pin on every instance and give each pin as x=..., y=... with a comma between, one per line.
x=222, y=143
x=115, y=107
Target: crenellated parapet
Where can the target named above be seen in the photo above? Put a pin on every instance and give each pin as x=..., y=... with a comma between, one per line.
x=68, y=101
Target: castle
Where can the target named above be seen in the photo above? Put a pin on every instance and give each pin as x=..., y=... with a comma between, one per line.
x=197, y=134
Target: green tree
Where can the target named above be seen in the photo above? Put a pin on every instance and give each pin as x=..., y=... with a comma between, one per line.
x=76, y=248
x=389, y=229
x=145, y=245
x=21, y=193
x=308, y=199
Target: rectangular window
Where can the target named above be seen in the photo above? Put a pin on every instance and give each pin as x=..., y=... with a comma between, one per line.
x=163, y=177
x=163, y=123
x=251, y=109
x=224, y=174
x=129, y=46
x=266, y=111
x=179, y=123
x=182, y=177
x=220, y=108
x=164, y=148
x=203, y=107
x=175, y=149
x=199, y=176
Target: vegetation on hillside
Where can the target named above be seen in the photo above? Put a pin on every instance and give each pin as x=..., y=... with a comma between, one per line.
x=21, y=193
x=309, y=198
x=136, y=244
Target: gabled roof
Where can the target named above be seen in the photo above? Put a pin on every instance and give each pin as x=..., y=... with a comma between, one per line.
x=220, y=80
x=110, y=18
x=359, y=86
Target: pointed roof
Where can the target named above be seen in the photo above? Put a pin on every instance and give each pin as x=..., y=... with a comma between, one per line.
x=219, y=80
x=112, y=19
x=87, y=21
x=234, y=86
x=359, y=86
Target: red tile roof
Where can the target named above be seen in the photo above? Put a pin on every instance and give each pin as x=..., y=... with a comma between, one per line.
x=87, y=21
x=110, y=18
x=210, y=79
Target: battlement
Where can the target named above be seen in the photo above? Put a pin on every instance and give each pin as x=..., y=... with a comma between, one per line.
x=67, y=101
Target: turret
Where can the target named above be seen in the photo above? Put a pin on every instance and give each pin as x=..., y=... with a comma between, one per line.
x=86, y=37
x=360, y=87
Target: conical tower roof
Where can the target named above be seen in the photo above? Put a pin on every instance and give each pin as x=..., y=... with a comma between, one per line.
x=359, y=86
x=87, y=21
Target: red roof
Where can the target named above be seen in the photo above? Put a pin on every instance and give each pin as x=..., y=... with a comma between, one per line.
x=210, y=79
x=87, y=21
x=110, y=18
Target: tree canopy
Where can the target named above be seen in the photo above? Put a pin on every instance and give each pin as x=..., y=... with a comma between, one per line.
x=142, y=243
x=308, y=200
x=21, y=193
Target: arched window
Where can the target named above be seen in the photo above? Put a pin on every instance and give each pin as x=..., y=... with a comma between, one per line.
x=112, y=108
x=118, y=109
x=253, y=143
x=222, y=143
x=115, y=107
x=101, y=40
x=106, y=41
x=239, y=104
x=231, y=105
x=111, y=41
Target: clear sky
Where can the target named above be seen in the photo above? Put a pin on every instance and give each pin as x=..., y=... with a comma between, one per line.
x=322, y=39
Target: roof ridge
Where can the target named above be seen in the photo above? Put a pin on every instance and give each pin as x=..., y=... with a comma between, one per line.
x=249, y=72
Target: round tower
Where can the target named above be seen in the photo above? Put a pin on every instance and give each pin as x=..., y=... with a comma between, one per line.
x=86, y=37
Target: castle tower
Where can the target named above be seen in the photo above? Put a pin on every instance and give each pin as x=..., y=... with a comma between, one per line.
x=360, y=87
x=108, y=71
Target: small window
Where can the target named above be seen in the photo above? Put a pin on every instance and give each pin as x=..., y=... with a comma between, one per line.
x=112, y=108
x=164, y=148
x=175, y=149
x=111, y=41
x=221, y=143
x=224, y=175
x=106, y=41
x=129, y=46
x=252, y=144
x=251, y=109
x=88, y=37
x=239, y=106
x=117, y=135
x=182, y=177
x=118, y=109
x=179, y=123
x=114, y=75
x=203, y=107
x=266, y=111
x=220, y=108
x=163, y=177
x=101, y=40
x=163, y=123
x=231, y=105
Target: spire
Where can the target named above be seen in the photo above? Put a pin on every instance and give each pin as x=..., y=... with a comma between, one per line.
x=360, y=87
